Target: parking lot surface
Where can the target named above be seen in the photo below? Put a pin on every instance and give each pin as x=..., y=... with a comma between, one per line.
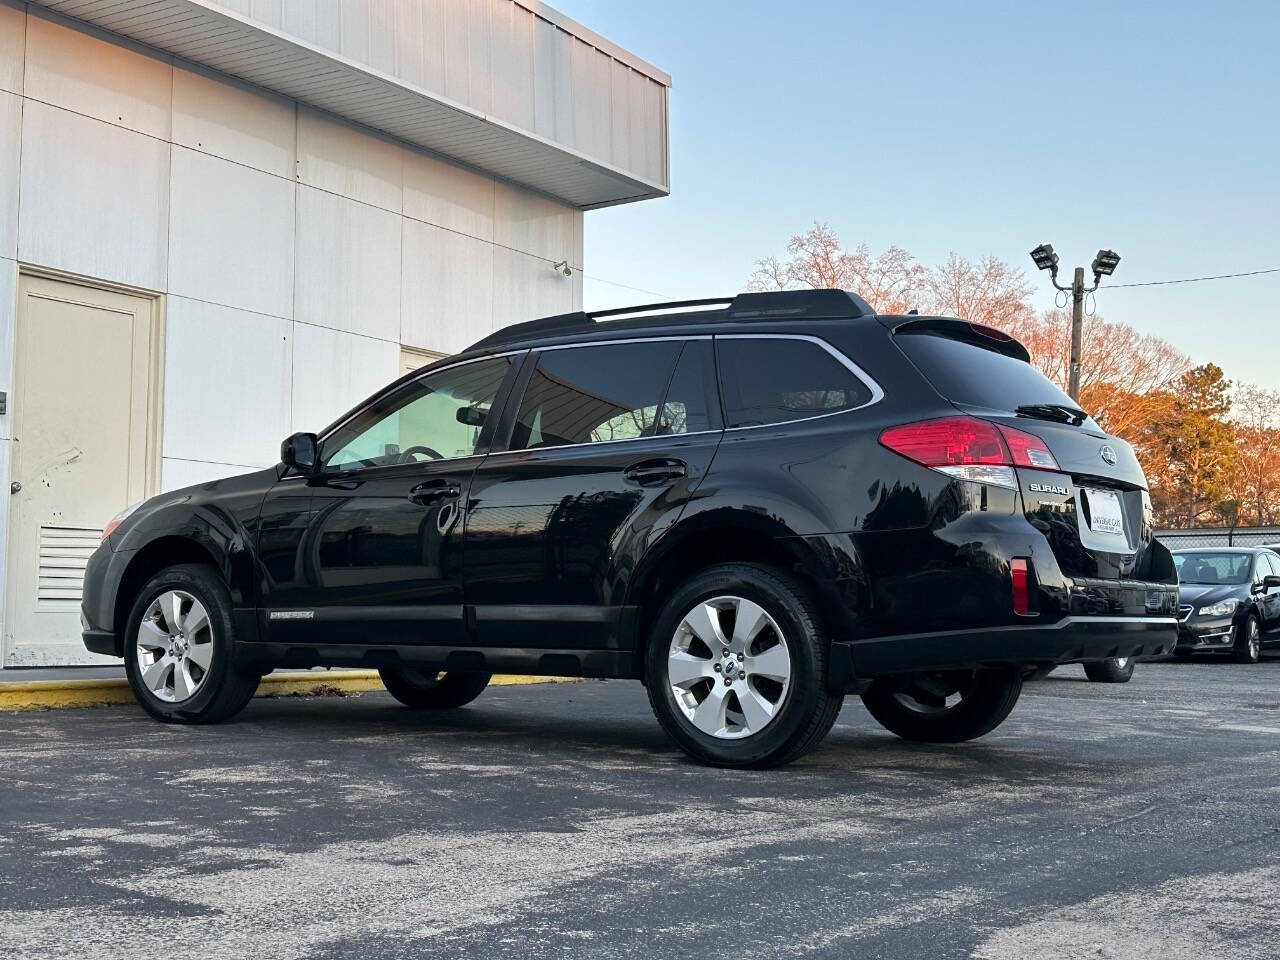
x=1135, y=821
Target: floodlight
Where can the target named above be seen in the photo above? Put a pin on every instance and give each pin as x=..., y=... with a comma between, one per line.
x=1104, y=264
x=1045, y=258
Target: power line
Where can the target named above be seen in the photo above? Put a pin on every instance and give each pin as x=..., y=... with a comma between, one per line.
x=1220, y=276
x=624, y=286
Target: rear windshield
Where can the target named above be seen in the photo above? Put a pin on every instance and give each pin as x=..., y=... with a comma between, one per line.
x=974, y=376
x=1213, y=567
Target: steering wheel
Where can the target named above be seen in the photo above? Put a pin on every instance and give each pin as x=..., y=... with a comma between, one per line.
x=406, y=456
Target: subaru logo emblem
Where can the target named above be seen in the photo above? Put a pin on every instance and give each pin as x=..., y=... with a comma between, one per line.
x=1108, y=454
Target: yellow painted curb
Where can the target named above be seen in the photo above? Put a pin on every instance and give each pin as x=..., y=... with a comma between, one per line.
x=52, y=694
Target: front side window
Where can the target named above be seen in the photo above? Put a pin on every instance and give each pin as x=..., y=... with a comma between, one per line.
x=436, y=417
x=775, y=380
x=595, y=394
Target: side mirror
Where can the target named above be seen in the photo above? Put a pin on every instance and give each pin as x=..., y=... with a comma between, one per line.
x=1271, y=580
x=300, y=452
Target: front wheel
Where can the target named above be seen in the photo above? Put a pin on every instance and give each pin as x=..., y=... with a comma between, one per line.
x=1248, y=648
x=433, y=689
x=178, y=648
x=736, y=668
x=947, y=706
x=1115, y=670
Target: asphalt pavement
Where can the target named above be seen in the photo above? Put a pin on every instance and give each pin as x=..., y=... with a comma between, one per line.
x=1100, y=821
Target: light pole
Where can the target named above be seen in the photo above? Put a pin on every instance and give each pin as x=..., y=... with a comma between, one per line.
x=1104, y=264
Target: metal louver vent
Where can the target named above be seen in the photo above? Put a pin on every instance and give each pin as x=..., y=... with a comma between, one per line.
x=64, y=551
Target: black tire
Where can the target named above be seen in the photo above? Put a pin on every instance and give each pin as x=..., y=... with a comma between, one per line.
x=805, y=709
x=1248, y=645
x=1115, y=670
x=986, y=697
x=225, y=689
x=433, y=689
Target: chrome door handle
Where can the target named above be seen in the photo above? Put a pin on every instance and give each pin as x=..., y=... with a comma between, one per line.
x=650, y=473
x=15, y=487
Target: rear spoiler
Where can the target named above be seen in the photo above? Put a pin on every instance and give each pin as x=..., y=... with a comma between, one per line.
x=980, y=335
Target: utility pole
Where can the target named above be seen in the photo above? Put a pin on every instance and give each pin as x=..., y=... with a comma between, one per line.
x=1104, y=264
x=1077, y=328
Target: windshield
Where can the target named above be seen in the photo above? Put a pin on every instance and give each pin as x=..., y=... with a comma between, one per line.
x=1213, y=567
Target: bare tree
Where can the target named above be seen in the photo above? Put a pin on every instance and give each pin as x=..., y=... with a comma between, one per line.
x=987, y=291
x=1253, y=485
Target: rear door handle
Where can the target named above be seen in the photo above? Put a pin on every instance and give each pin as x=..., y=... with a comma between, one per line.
x=651, y=473
x=432, y=491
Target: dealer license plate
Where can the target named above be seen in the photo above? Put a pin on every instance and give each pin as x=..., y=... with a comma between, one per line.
x=1105, y=515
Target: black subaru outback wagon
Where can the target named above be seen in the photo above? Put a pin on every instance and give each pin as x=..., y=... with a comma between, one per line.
x=755, y=506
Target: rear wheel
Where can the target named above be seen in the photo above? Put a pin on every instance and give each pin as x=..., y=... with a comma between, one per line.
x=1115, y=670
x=433, y=689
x=948, y=706
x=736, y=668
x=1248, y=648
x=178, y=648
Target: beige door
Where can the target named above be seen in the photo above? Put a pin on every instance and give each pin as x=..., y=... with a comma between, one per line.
x=411, y=358
x=84, y=409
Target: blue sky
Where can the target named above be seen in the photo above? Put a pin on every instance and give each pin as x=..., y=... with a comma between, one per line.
x=1152, y=129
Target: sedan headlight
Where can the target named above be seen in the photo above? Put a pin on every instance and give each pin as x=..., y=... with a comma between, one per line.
x=1223, y=608
x=119, y=518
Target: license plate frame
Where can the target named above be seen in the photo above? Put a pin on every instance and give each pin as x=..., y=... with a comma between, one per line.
x=1106, y=514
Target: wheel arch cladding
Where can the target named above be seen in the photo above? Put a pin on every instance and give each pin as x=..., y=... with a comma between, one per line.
x=160, y=553
x=826, y=564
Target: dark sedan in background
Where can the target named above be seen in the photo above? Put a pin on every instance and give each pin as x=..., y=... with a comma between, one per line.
x=1229, y=601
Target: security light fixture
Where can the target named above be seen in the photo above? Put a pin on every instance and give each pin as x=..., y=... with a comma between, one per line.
x=1104, y=264
x=1045, y=258
x=562, y=266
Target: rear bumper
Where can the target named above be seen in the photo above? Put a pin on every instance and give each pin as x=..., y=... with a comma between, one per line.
x=1080, y=639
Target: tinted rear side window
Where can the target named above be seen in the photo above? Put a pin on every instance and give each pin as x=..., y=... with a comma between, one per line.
x=974, y=376
x=692, y=404
x=774, y=380
x=594, y=394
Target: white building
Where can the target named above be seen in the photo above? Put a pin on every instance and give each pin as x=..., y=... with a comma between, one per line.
x=222, y=221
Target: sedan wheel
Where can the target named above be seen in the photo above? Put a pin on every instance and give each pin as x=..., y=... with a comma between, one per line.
x=174, y=646
x=729, y=667
x=1249, y=646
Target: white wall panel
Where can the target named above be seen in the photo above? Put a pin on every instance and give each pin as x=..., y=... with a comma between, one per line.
x=347, y=266
x=525, y=288
x=97, y=77
x=112, y=224
x=8, y=303
x=447, y=195
x=336, y=156
x=176, y=474
x=231, y=234
x=269, y=12
x=433, y=43
x=333, y=371
x=447, y=289
x=298, y=17
x=355, y=29
x=10, y=140
x=226, y=383
x=533, y=224
x=234, y=121
x=408, y=41
x=13, y=44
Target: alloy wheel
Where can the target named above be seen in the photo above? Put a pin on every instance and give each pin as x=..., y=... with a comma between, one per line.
x=936, y=692
x=1254, y=640
x=174, y=646
x=1121, y=662
x=729, y=667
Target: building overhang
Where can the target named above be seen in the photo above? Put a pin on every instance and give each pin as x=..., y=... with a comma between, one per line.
x=204, y=33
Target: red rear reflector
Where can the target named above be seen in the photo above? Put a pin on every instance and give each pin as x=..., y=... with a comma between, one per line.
x=1020, y=570
x=951, y=441
x=1028, y=450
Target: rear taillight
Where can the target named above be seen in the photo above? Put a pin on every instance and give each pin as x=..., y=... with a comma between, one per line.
x=1020, y=571
x=970, y=449
x=1028, y=450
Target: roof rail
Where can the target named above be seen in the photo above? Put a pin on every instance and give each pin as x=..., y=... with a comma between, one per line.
x=772, y=305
